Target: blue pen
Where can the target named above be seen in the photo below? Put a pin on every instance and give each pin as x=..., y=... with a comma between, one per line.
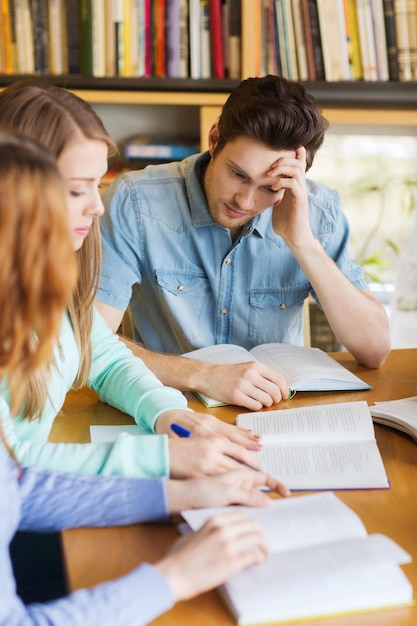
x=180, y=431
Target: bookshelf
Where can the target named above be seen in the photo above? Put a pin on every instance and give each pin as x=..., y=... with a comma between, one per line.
x=351, y=103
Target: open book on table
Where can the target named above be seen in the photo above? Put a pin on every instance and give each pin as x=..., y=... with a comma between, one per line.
x=305, y=369
x=399, y=414
x=322, y=562
x=329, y=446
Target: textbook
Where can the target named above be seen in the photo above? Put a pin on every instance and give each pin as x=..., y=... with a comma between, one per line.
x=304, y=368
x=329, y=446
x=322, y=562
x=399, y=414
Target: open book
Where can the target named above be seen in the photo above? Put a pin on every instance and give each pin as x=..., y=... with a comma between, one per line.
x=304, y=369
x=329, y=446
x=322, y=562
x=400, y=414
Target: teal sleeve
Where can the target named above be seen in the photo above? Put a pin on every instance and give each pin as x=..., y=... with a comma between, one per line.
x=125, y=382
x=142, y=456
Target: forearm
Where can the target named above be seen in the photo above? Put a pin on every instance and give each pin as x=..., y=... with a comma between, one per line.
x=356, y=317
x=52, y=501
x=172, y=370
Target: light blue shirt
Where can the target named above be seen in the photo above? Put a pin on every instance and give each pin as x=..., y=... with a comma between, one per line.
x=187, y=284
x=44, y=501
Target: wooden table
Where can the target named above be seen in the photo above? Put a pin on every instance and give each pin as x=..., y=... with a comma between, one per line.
x=95, y=555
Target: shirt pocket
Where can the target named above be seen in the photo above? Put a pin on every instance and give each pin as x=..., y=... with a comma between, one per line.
x=277, y=315
x=188, y=304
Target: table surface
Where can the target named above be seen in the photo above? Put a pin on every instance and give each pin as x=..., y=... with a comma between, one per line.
x=95, y=555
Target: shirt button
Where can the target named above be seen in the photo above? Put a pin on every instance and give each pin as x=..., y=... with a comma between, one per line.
x=224, y=311
x=228, y=261
x=282, y=305
x=180, y=288
x=248, y=229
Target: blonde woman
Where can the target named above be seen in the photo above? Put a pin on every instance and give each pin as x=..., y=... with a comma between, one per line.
x=37, y=273
x=88, y=353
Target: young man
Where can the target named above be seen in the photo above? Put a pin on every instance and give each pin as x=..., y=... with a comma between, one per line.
x=225, y=246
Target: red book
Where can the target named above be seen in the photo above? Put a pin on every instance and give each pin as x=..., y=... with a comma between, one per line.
x=216, y=25
x=159, y=37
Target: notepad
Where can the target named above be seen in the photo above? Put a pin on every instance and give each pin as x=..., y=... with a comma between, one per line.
x=329, y=446
x=322, y=562
x=106, y=434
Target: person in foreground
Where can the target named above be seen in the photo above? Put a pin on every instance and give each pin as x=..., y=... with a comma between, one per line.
x=88, y=352
x=33, y=221
x=225, y=247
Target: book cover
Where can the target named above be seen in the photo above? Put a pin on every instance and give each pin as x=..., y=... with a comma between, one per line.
x=72, y=21
x=380, y=42
x=40, y=29
x=98, y=37
x=367, y=40
x=184, y=49
x=57, y=37
x=391, y=38
x=352, y=27
x=85, y=37
x=333, y=39
x=234, y=38
x=205, y=40
x=405, y=16
x=316, y=39
x=195, y=39
x=173, y=39
x=216, y=38
x=159, y=37
x=300, y=44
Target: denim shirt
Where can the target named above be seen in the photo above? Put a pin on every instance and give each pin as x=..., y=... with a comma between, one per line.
x=188, y=285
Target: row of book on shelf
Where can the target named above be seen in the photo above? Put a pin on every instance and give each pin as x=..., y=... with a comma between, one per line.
x=338, y=40
x=332, y=40
x=322, y=560
x=127, y=38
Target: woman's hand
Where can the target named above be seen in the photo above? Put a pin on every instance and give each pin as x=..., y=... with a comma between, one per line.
x=206, y=425
x=241, y=486
x=203, y=456
x=224, y=546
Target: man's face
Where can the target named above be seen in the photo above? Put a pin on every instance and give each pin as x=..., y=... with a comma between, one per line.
x=237, y=184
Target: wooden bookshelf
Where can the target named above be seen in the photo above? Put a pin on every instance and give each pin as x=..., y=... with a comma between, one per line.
x=353, y=103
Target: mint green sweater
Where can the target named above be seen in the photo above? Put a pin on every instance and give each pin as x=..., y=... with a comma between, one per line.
x=121, y=380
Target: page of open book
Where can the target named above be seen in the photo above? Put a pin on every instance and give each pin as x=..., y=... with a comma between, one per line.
x=328, y=422
x=296, y=522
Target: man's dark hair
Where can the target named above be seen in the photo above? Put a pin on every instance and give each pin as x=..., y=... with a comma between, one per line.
x=275, y=111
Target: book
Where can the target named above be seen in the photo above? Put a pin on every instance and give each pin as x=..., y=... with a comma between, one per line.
x=334, y=41
x=399, y=414
x=216, y=38
x=322, y=562
x=405, y=30
x=329, y=446
x=367, y=40
x=301, y=52
x=316, y=40
x=146, y=147
x=352, y=27
x=304, y=368
x=234, y=20
x=391, y=37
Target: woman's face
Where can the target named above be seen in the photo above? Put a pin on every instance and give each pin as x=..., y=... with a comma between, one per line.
x=82, y=165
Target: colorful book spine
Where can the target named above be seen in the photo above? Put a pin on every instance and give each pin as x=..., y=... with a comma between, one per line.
x=216, y=38
x=391, y=38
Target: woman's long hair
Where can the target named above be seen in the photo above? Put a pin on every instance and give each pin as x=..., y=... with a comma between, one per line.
x=38, y=269
x=54, y=117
